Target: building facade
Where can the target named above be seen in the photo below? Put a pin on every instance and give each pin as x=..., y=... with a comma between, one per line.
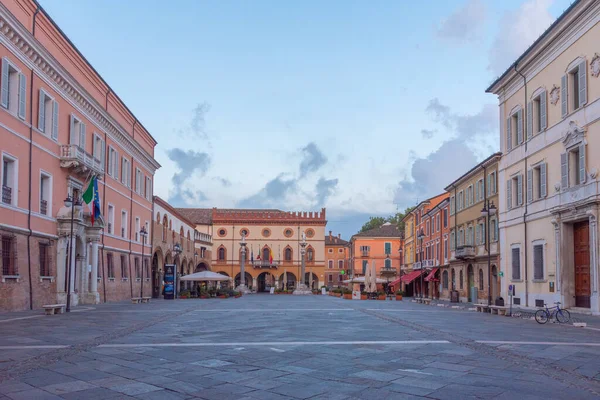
x=437, y=246
x=380, y=246
x=61, y=124
x=549, y=112
x=337, y=257
x=408, y=248
x=471, y=272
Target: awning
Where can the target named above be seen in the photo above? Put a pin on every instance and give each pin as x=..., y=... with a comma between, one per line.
x=205, y=276
x=408, y=278
x=431, y=276
x=394, y=283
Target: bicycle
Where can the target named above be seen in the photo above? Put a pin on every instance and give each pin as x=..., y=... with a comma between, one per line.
x=561, y=315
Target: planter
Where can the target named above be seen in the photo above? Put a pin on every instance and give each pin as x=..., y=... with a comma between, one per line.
x=399, y=297
x=381, y=297
x=222, y=296
x=204, y=297
x=348, y=296
x=238, y=296
x=363, y=297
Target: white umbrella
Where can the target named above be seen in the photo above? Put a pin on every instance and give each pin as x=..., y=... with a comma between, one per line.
x=367, y=278
x=205, y=276
x=373, y=279
x=361, y=279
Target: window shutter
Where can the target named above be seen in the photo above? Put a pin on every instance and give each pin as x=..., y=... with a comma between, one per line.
x=543, y=110
x=102, y=153
x=516, y=265
x=563, y=96
x=538, y=261
x=582, y=173
x=520, y=126
x=543, y=180
x=582, y=83
x=530, y=185
x=508, y=135
x=520, y=190
x=82, y=135
x=72, y=136
x=55, y=120
x=496, y=228
x=123, y=168
x=116, y=166
x=22, y=95
x=529, y=120
x=5, y=77
x=564, y=171
x=42, y=113
x=509, y=194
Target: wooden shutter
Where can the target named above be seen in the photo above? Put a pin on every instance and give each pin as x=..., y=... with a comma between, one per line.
x=55, y=120
x=508, y=134
x=22, y=95
x=530, y=185
x=509, y=194
x=582, y=83
x=543, y=188
x=529, y=120
x=582, y=173
x=82, y=135
x=42, y=112
x=543, y=111
x=520, y=126
x=563, y=96
x=520, y=190
x=123, y=168
x=538, y=261
x=564, y=171
x=477, y=191
x=72, y=135
x=516, y=264
x=103, y=153
x=5, y=82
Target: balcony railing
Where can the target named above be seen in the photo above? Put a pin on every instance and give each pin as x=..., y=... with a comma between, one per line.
x=73, y=156
x=109, y=225
x=265, y=264
x=43, y=207
x=365, y=253
x=122, y=232
x=417, y=265
x=463, y=252
x=6, y=194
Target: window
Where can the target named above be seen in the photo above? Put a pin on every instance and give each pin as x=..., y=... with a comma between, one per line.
x=437, y=222
x=445, y=280
x=48, y=115
x=388, y=248
x=221, y=254
x=388, y=263
x=124, y=271
x=146, y=271
x=341, y=264
x=538, y=261
x=288, y=254
x=110, y=266
x=330, y=251
x=99, y=150
x=514, y=130
x=123, y=223
x=137, y=229
x=536, y=182
x=470, y=240
x=77, y=132
x=427, y=227
x=364, y=266
x=45, y=269
x=340, y=250
x=516, y=263
x=45, y=194
x=113, y=163
x=480, y=233
x=148, y=189
x=572, y=165
x=445, y=217
x=492, y=184
x=536, y=114
x=480, y=279
x=479, y=193
x=330, y=277
x=452, y=205
x=14, y=89
x=493, y=230
x=460, y=280
x=9, y=180
x=310, y=255
x=126, y=172
x=9, y=256
x=445, y=249
x=111, y=218
x=365, y=250
x=514, y=191
x=461, y=200
x=470, y=200
x=139, y=179
x=138, y=271
x=330, y=264
x=573, y=91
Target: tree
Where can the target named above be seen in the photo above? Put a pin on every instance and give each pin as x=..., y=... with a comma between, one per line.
x=373, y=222
x=397, y=218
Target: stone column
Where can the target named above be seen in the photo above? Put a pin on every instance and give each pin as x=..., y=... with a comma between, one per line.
x=557, y=278
x=301, y=288
x=94, y=278
x=242, y=287
x=595, y=306
x=61, y=270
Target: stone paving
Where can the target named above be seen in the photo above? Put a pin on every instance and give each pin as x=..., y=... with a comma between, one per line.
x=279, y=347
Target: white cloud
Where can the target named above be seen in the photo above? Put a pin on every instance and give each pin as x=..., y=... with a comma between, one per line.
x=465, y=23
x=518, y=29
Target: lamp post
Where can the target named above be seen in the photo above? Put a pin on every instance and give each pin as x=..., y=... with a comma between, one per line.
x=177, y=251
x=420, y=236
x=488, y=210
x=143, y=235
x=72, y=204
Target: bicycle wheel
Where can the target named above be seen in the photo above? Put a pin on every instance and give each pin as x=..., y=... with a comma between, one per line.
x=541, y=316
x=563, y=316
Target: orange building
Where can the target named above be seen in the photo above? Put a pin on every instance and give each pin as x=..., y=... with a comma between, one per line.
x=380, y=245
x=337, y=254
x=436, y=244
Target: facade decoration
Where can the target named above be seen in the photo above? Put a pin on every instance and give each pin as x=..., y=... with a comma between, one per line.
x=595, y=65
x=554, y=95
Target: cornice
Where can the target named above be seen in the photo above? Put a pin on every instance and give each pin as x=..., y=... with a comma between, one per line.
x=36, y=56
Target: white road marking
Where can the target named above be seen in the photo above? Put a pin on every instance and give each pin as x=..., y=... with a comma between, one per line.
x=277, y=350
x=35, y=346
x=537, y=343
x=19, y=318
x=415, y=371
x=267, y=310
x=323, y=343
x=405, y=311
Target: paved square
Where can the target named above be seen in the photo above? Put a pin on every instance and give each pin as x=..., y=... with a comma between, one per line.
x=277, y=347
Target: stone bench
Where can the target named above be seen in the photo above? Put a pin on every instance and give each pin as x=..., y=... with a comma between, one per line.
x=482, y=307
x=146, y=299
x=500, y=310
x=52, y=309
x=136, y=300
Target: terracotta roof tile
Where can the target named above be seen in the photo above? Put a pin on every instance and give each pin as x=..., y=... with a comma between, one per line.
x=390, y=230
x=197, y=215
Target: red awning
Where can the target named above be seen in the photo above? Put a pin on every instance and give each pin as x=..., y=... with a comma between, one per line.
x=394, y=283
x=431, y=276
x=408, y=278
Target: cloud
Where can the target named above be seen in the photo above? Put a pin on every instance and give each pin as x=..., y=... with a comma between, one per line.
x=465, y=24
x=518, y=30
x=312, y=159
x=272, y=195
x=188, y=163
x=197, y=126
x=325, y=188
x=485, y=122
x=428, y=133
x=223, y=181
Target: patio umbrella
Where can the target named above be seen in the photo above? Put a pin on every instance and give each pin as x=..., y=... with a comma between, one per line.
x=373, y=278
x=205, y=276
x=284, y=279
x=367, y=280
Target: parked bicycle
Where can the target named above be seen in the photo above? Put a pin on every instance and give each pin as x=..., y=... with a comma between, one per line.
x=560, y=314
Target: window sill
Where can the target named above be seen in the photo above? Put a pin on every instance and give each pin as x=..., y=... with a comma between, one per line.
x=16, y=278
x=99, y=278
x=111, y=279
x=539, y=280
x=124, y=279
x=47, y=278
x=147, y=279
x=516, y=280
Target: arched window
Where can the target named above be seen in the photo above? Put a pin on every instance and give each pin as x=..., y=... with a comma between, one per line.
x=221, y=254
x=158, y=218
x=310, y=254
x=480, y=279
x=461, y=279
x=288, y=254
x=453, y=279
x=266, y=252
x=189, y=241
x=445, y=280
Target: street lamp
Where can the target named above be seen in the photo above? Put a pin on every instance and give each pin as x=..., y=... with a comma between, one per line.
x=143, y=235
x=177, y=250
x=72, y=204
x=488, y=210
x=420, y=236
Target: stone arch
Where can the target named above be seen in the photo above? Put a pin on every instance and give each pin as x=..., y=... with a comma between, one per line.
x=315, y=280
x=248, y=277
x=165, y=223
x=168, y=258
x=157, y=268
x=290, y=281
x=181, y=234
x=265, y=281
x=202, y=266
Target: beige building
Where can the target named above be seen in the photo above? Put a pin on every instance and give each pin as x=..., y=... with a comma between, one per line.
x=550, y=140
x=470, y=271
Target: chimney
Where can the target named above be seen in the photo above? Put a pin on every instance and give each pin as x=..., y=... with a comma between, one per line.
x=330, y=235
x=339, y=235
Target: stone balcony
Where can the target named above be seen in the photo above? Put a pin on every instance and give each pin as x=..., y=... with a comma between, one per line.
x=79, y=161
x=465, y=252
x=265, y=264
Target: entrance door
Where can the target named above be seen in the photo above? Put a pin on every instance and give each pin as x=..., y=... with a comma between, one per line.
x=470, y=282
x=581, y=246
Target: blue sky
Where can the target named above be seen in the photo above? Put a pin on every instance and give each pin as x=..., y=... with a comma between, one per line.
x=363, y=107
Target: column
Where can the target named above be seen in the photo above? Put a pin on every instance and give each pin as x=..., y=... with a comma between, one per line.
x=595, y=306
x=73, y=265
x=242, y=287
x=557, y=277
x=61, y=266
x=94, y=262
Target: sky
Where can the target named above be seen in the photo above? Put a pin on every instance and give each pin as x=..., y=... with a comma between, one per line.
x=362, y=107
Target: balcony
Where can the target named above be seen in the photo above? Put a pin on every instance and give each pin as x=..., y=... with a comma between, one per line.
x=465, y=252
x=429, y=263
x=6, y=194
x=388, y=272
x=74, y=157
x=365, y=253
x=264, y=264
x=417, y=265
x=202, y=237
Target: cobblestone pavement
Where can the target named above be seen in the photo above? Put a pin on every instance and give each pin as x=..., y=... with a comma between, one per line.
x=276, y=347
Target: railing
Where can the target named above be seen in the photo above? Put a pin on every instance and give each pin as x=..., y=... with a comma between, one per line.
x=74, y=156
x=365, y=253
x=43, y=207
x=417, y=265
x=429, y=263
x=265, y=264
x=109, y=225
x=202, y=237
x=122, y=232
x=465, y=252
x=6, y=194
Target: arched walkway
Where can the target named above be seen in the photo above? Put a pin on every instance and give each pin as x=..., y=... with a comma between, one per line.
x=202, y=267
x=265, y=282
x=470, y=282
x=315, y=280
x=157, y=268
x=248, y=278
x=289, y=282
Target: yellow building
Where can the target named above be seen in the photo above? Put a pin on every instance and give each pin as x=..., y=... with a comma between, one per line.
x=409, y=243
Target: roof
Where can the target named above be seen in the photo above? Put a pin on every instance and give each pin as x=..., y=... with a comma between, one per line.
x=199, y=216
x=490, y=89
x=484, y=162
x=386, y=230
x=428, y=201
x=173, y=211
x=335, y=241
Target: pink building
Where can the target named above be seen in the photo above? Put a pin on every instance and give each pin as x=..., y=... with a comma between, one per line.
x=61, y=124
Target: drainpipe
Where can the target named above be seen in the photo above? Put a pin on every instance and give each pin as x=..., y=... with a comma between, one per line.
x=525, y=200
x=29, y=232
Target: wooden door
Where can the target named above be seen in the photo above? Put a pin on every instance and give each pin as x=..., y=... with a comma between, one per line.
x=581, y=245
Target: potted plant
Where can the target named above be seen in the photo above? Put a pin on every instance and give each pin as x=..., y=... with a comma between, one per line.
x=347, y=293
x=380, y=295
x=399, y=295
x=184, y=294
x=363, y=295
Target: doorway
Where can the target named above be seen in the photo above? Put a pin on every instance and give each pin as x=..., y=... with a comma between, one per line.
x=581, y=249
x=265, y=282
x=470, y=282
